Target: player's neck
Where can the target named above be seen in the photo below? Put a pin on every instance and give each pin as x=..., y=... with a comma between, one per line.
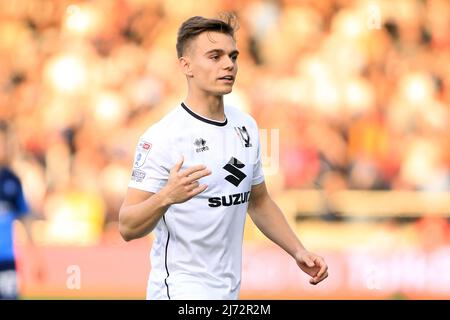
x=210, y=107
x=4, y=163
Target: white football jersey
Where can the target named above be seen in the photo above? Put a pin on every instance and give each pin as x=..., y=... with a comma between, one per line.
x=197, y=250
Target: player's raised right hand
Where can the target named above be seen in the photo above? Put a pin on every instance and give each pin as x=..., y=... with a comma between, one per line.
x=183, y=185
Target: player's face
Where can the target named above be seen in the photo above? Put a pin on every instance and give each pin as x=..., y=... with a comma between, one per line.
x=212, y=60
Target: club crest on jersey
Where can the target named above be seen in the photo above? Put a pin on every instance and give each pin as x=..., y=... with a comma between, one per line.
x=244, y=136
x=201, y=145
x=142, y=151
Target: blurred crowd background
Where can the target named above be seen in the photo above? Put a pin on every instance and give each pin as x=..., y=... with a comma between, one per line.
x=359, y=90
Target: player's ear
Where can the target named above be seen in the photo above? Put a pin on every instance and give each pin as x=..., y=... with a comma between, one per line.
x=185, y=65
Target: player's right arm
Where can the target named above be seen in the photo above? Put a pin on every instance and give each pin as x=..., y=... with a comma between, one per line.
x=141, y=210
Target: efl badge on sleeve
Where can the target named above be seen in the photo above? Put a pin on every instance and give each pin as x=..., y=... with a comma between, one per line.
x=142, y=150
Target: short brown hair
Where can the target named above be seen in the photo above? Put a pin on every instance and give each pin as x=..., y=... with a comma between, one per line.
x=194, y=26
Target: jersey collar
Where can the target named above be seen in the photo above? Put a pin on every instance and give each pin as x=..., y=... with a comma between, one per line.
x=199, y=117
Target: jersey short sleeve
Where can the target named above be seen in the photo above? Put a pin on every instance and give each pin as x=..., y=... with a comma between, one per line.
x=258, y=174
x=20, y=202
x=150, y=168
x=12, y=194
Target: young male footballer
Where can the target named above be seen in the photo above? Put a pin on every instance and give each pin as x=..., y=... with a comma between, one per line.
x=196, y=174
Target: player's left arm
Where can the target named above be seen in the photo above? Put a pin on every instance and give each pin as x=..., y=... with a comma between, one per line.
x=24, y=215
x=36, y=259
x=268, y=217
